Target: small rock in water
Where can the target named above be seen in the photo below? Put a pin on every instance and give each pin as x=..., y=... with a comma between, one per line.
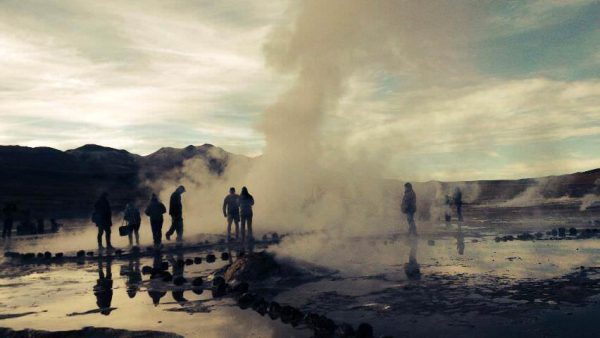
x=80, y=253
x=539, y=235
x=265, y=238
x=562, y=232
x=90, y=254
x=189, y=261
x=573, y=232
x=287, y=313
x=274, y=310
x=246, y=300
x=260, y=306
x=40, y=255
x=210, y=258
x=431, y=242
x=59, y=255
x=224, y=256
x=146, y=270
x=218, y=281
x=219, y=290
x=179, y=280
x=554, y=232
x=364, y=330
x=197, y=281
x=47, y=255
x=28, y=256
x=197, y=290
x=197, y=260
x=275, y=236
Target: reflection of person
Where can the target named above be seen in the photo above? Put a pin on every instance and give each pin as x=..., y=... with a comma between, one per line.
x=458, y=203
x=155, y=287
x=246, y=214
x=103, y=288
x=176, y=212
x=409, y=207
x=155, y=211
x=133, y=219
x=448, y=210
x=9, y=214
x=134, y=277
x=412, y=269
x=460, y=241
x=103, y=218
x=231, y=210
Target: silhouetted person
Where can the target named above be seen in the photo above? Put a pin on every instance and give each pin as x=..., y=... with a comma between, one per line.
x=458, y=203
x=155, y=211
x=155, y=287
x=176, y=212
x=409, y=207
x=8, y=212
x=412, y=269
x=460, y=241
x=246, y=202
x=40, y=226
x=448, y=210
x=103, y=218
x=134, y=277
x=231, y=210
x=133, y=219
x=54, y=225
x=103, y=288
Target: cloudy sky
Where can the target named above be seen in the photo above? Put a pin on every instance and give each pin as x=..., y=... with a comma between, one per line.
x=520, y=95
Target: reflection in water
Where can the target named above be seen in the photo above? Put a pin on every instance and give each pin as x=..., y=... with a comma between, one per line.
x=134, y=276
x=154, y=287
x=460, y=241
x=412, y=267
x=103, y=288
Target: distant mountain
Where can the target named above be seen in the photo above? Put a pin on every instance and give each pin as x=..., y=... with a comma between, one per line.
x=53, y=183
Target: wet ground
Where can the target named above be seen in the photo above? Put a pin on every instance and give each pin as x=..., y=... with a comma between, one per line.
x=454, y=280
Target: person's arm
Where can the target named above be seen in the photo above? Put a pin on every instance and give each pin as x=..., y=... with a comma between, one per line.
x=163, y=209
x=251, y=200
x=225, y=207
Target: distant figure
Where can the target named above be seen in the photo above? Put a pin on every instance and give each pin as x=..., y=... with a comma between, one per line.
x=155, y=211
x=54, y=225
x=458, y=203
x=102, y=216
x=231, y=210
x=133, y=219
x=176, y=212
x=40, y=226
x=448, y=210
x=409, y=207
x=8, y=212
x=103, y=288
x=246, y=202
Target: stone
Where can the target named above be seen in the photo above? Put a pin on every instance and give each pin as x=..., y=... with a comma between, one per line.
x=118, y=252
x=197, y=260
x=562, y=232
x=554, y=232
x=219, y=290
x=179, y=280
x=180, y=263
x=80, y=253
x=210, y=258
x=274, y=310
x=218, y=280
x=224, y=256
x=197, y=281
x=539, y=235
x=59, y=255
x=189, y=261
x=246, y=300
x=47, y=255
x=28, y=256
x=364, y=330
x=40, y=255
x=90, y=254
x=146, y=270
x=135, y=250
x=197, y=290
x=573, y=232
x=164, y=266
x=260, y=305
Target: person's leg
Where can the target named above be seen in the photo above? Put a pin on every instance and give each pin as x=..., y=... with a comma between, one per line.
x=459, y=212
x=179, y=230
x=130, y=235
x=171, y=229
x=100, y=233
x=236, y=220
x=243, y=228
x=137, y=236
x=107, y=232
x=412, y=227
x=229, y=221
x=250, y=236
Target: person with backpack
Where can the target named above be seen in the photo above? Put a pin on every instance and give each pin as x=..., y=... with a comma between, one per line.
x=134, y=220
x=155, y=211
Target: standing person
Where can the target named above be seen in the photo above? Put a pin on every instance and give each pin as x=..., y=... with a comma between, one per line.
x=458, y=203
x=155, y=211
x=246, y=202
x=9, y=218
x=103, y=218
x=176, y=212
x=133, y=219
x=231, y=210
x=409, y=207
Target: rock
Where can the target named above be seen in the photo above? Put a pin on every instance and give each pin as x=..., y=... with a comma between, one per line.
x=197, y=290
x=210, y=258
x=146, y=270
x=345, y=330
x=59, y=255
x=28, y=256
x=218, y=280
x=40, y=255
x=554, y=232
x=573, y=232
x=189, y=261
x=364, y=330
x=239, y=287
x=219, y=290
x=197, y=281
x=287, y=313
x=265, y=238
x=47, y=255
x=260, y=305
x=224, y=256
x=179, y=280
x=311, y=319
x=254, y=266
x=197, y=260
x=539, y=235
x=90, y=254
x=497, y=239
x=562, y=232
x=149, y=249
x=246, y=300
x=11, y=254
x=431, y=242
x=525, y=236
x=274, y=310
x=80, y=253
x=324, y=327
x=508, y=238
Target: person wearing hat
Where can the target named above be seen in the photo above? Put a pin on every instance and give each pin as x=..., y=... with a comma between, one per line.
x=176, y=212
x=409, y=207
